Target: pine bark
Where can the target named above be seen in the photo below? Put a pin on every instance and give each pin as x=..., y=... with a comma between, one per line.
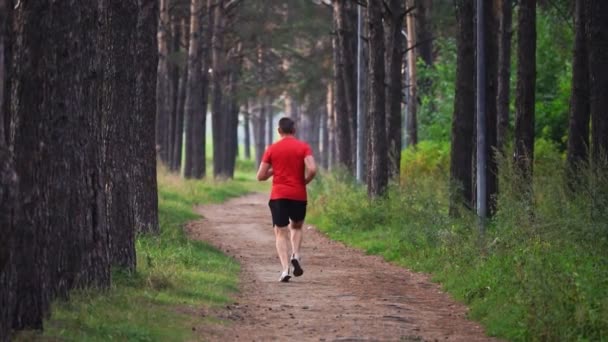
x=424, y=30
x=218, y=116
x=144, y=199
x=118, y=39
x=163, y=103
x=525, y=92
x=178, y=143
x=344, y=141
x=504, y=73
x=62, y=238
x=463, y=119
x=247, y=130
x=8, y=205
x=578, y=131
x=597, y=31
x=394, y=47
x=492, y=10
x=195, y=104
x=411, y=123
x=377, y=177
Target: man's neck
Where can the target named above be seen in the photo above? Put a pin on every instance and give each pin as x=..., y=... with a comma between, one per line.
x=283, y=136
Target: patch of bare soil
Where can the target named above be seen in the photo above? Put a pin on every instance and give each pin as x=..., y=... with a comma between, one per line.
x=344, y=295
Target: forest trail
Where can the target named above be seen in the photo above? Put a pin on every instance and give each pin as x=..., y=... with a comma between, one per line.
x=344, y=295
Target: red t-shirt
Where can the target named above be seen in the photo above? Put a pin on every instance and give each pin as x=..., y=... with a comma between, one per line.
x=286, y=157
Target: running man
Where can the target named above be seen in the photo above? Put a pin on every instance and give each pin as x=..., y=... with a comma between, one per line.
x=291, y=165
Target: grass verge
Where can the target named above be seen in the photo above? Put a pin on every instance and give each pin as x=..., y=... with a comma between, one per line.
x=531, y=277
x=175, y=277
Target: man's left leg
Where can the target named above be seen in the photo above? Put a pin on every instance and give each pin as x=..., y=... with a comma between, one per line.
x=295, y=229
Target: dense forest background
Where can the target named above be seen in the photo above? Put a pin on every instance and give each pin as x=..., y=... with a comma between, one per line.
x=507, y=209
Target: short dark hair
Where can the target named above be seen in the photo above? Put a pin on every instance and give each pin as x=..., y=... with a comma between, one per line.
x=287, y=126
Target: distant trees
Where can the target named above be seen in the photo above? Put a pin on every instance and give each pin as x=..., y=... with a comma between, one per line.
x=78, y=180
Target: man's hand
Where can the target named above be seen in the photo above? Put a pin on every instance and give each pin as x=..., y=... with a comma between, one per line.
x=311, y=169
x=264, y=172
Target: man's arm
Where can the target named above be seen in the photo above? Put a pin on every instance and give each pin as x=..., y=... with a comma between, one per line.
x=311, y=169
x=264, y=172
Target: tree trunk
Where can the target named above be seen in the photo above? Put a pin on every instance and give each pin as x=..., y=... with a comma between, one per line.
x=247, y=129
x=504, y=74
x=394, y=39
x=578, y=132
x=411, y=138
x=324, y=154
x=176, y=162
x=491, y=62
x=117, y=92
x=196, y=105
x=173, y=91
x=8, y=205
x=377, y=176
x=597, y=31
x=463, y=120
x=218, y=117
x=270, y=130
x=259, y=128
x=231, y=110
x=62, y=240
x=331, y=126
x=424, y=31
x=525, y=99
x=144, y=200
x=344, y=143
x=162, y=82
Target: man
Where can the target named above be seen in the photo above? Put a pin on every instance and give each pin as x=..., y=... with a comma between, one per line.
x=291, y=165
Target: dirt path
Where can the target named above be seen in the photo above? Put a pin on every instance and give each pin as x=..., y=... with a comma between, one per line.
x=343, y=295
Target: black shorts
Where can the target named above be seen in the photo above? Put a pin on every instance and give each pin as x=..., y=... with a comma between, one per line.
x=283, y=210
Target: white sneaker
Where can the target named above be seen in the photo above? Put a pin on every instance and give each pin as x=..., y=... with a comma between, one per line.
x=284, y=277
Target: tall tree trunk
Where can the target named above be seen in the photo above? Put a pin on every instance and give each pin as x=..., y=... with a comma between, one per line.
x=525, y=98
x=463, y=120
x=504, y=74
x=144, y=199
x=231, y=111
x=270, y=131
x=119, y=16
x=218, y=117
x=62, y=241
x=597, y=31
x=196, y=105
x=424, y=30
x=344, y=119
x=8, y=205
x=331, y=126
x=247, y=129
x=411, y=138
x=162, y=82
x=324, y=153
x=259, y=128
x=377, y=176
x=578, y=131
x=491, y=14
x=4, y=119
x=173, y=90
x=176, y=162
x=394, y=39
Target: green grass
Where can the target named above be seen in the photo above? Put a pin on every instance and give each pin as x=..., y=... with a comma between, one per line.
x=541, y=277
x=176, y=277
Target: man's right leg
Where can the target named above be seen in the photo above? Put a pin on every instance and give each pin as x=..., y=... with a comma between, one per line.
x=282, y=244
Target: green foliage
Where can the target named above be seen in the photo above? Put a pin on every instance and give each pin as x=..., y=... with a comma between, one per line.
x=554, y=76
x=427, y=158
x=436, y=93
x=175, y=277
x=539, y=272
